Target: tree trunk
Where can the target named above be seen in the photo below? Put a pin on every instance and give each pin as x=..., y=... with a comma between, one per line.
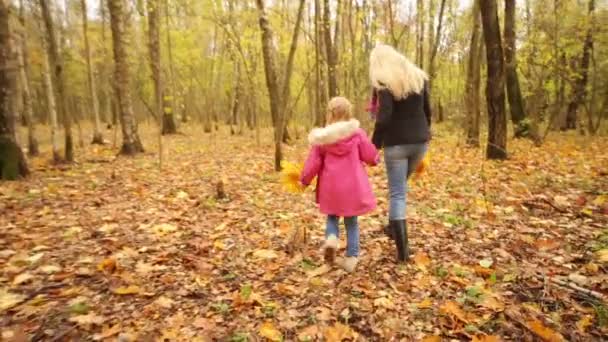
x=51, y=106
x=122, y=78
x=420, y=33
x=330, y=50
x=56, y=64
x=97, y=136
x=580, y=85
x=471, y=97
x=495, y=86
x=320, y=89
x=435, y=45
x=28, y=111
x=155, y=62
x=516, y=103
x=169, y=126
x=12, y=161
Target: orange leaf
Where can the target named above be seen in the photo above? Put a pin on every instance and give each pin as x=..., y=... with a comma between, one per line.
x=425, y=304
x=270, y=332
x=544, y=332
x=433, y=338
x=453, y=309
x=107, y=265
x=422, y=260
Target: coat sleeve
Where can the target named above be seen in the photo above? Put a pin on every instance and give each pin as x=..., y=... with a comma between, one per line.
x=427, y=104
x=367, y=151
x=385, y=107
x=312, y=166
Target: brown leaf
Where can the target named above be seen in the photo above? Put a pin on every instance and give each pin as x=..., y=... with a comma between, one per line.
x=544, y=245
x=422, y=260
x=107, y=333
x=107, y=265
x=338, y=332
x=485, y=338
x=544, y=332
x=309, y=333
x=453, y=309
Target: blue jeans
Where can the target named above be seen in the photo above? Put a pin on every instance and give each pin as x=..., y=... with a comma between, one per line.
x=401, y=162
x=352, y=232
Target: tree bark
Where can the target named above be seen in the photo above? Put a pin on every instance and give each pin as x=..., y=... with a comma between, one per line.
x=56, y=64
x=97, y=136
x=471, y=97
x=330, y=50
x=420, y=33
x=12, y=161
x=516, y=103
x=320, y=97
x=169, y=126
x=28, y=110
x=435, y=45
x=495, y=85
x=580, y=85
x=122, y=78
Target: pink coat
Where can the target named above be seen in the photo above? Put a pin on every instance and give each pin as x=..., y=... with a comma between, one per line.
x=337, y=158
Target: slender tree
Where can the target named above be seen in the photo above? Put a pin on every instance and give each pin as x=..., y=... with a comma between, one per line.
x=97, y=136
x=580, y=84
x=471, y=95
x=122, y=77
x=516, y=103
x=56, y=64
x=169, y=126
x=495, y=85
x=331, y=48
x=12, y=161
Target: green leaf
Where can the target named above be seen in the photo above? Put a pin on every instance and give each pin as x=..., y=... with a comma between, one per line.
x=246, y=291
x=79, y=308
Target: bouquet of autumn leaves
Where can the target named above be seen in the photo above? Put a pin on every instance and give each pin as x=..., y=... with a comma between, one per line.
x=290, y=174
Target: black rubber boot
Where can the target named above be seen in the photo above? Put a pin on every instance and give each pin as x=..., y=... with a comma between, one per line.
x=388, y=231
x=400, y=233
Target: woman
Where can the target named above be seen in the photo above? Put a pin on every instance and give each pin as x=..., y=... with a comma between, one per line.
x=402, y=128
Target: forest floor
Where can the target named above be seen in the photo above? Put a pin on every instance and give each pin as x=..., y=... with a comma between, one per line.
x=109, y=247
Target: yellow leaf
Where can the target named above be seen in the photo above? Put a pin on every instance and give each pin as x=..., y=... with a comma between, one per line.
x=107, y=265
x=425, y=304
x=453, y=309
x=22, y=278
x=270, y=332
x=338, y=332
x=599, y=200
x=131, y=289
x=164, y=229
x=384, y=302
x=602, y=255
x=422, y=260
x=265, y=254
x=422, y=166
x=432, y=338
x=8, y=299
x=583, y=323
x=290, y=176
x=544, y=332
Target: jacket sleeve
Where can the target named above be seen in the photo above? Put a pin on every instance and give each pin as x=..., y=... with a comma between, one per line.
x=377, y=136
x=367, y=151
x=312, y=166
x=385, y=104
x=427, y=104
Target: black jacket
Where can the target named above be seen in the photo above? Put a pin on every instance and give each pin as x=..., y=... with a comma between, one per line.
x=405, y=121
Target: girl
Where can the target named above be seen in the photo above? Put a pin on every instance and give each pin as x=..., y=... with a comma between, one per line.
x=402, y=129
x=343, y=189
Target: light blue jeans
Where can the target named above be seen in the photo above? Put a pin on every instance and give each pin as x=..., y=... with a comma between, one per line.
x=352, y=232
x=401, y=162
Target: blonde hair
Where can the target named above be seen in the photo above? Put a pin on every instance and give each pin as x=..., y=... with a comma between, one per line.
x=339, y=109
x=388, y=69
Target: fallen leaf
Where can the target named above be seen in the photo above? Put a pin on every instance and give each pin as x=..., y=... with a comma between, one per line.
x=50, y=269
x=432, y=338
x=35, y=258
x=384, y=302
x=584, y=323
x=319, y=271
x=22, y=278
x=270, y=332
x=578, y=279
x=164, y=229
x=164, y=302
x=453, y=309
x=492, y=303
x=309, y=333
x=602, y=255
x=204, y=324
x=131, y=289
x=265, y=254
x=9, y=299
x=425, y=304
x=544, y=245
x=86, y=320
x=485, y=338
x=338, y=332
x=422, y=260
x=486, y=263
x=544, y=332
x=107, y=333
x=107, y=265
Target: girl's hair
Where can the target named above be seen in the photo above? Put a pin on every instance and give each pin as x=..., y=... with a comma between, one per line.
x=339, y=109
x=388, y=69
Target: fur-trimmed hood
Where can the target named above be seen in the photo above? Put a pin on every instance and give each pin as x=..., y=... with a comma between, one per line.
x=333, y=133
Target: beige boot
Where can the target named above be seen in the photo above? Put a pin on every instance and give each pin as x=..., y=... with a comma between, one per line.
x=349, y=263
x=329, y=249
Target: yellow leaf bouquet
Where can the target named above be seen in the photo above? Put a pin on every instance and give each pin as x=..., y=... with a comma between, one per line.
x=422, y=167
x=290, y=176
